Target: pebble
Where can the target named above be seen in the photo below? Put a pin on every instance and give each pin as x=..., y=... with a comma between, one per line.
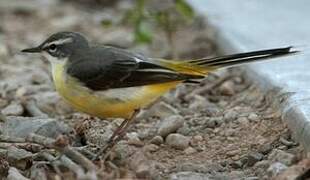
x=251, y=178
x=161, y=110
x=253, y=117
x=214, y=122
x=141, y=165
x=123, y=151
x=276, y=168
x=3, y=103
x=14, y=174
x=23, y=126
x=227, y=88
x=286, y=142
x=264, y=164
x=135, y=142
x=243, y=120
x=230, y=115
x=19, y=158
x=253, y=158
x=46, y=101
x=151, y=148
x=265, y=148
x=283, y=157
x=190, y=150
x=157, y=140
x=232, y=152
x=184, y=130
x=196, y=140
x=189, y=175
x=236, y=164
x=170, y=125
x=205, y=167
x=4, y=165
x=199, y=103
x=177, y=141
x=14, y=109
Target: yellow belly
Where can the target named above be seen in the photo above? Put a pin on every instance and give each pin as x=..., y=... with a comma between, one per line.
x=121, y=102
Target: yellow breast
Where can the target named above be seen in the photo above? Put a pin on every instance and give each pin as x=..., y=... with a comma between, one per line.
x=120, y=102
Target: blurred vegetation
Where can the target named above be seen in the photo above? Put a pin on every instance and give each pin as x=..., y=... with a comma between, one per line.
x=149, y=16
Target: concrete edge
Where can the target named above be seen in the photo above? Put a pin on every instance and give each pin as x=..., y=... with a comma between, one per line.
x=294, y=110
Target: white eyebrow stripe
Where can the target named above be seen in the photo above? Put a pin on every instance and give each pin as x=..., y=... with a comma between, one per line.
x=60, y=41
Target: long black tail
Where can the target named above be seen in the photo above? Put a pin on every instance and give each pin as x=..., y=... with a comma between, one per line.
x=235, y=59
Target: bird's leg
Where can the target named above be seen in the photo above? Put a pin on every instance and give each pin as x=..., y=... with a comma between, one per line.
x=116, y=136
x=118, y=130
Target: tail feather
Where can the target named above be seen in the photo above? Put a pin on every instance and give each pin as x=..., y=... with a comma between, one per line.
x=230, y=60
x=203, y=66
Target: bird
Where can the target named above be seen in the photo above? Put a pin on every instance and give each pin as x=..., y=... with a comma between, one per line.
x=110, y=82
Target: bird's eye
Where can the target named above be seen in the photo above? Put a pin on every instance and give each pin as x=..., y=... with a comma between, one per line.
x=52, y=48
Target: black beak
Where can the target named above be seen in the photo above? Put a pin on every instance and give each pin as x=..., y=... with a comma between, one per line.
x=32, y=50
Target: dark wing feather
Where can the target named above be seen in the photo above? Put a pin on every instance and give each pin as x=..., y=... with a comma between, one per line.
x=117, y=68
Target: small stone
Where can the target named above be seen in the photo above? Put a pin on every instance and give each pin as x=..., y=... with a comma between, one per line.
x=14, y=174
x=19, y=158
x=214, y=122
x=189, y=175
x=161, y=110
x=282, y=147
x=23, y=126
x=184, y=130
x=151, y=148
x=199, y=103
x=177, y=141
x=243, y=120
x=190, y=150
x=232, y=152
x=287, y=142
x=227, y=88
x=252, y=178
x=123, y=151
x=170, y=125
x=253, y=117
x=141, y=165
x=135, y=142
x=264, y=164
x=283, y=157
x=158, y=140
x=14, y=109
x=47, y=101
x=254, y=157
x=276, y=168
x=230, y=115
x=236, y=174
x=3, y=103
x=230, y=132
x=235, y=158
x=236, y=164
x=133, y=139
x=4, y=166
x=196, y=140
x=265, y=148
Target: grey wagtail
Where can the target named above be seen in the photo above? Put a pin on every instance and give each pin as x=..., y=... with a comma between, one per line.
x=109, y=82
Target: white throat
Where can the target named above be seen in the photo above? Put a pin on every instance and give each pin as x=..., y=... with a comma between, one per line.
x=53, y=60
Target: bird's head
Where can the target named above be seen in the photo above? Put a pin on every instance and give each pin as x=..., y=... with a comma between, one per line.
x=60, y=46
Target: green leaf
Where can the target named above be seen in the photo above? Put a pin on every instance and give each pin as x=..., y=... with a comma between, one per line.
x=143, y=34
x=106, y=23
x=184, y=8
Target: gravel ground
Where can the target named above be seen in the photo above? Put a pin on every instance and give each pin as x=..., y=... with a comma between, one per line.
x=223, y=128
